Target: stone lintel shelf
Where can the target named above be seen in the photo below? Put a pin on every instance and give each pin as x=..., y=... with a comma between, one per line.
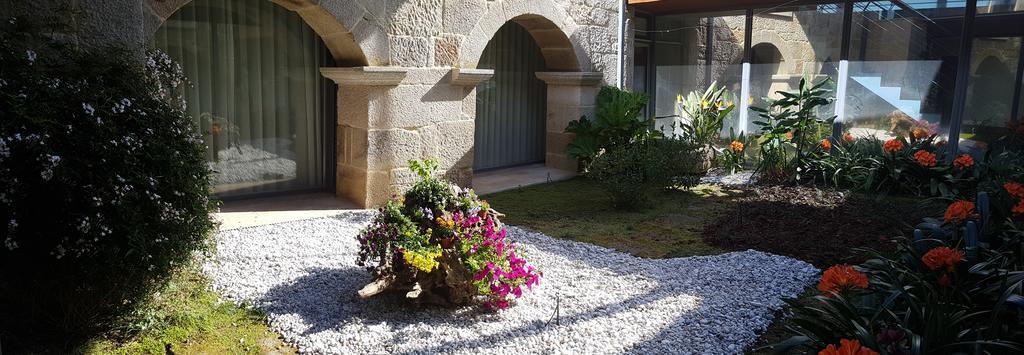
x=470, y=77
x=365, y=76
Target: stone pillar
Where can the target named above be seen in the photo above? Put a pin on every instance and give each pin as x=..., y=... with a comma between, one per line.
x=570, y=95
x=468, y=79
x=362, y=147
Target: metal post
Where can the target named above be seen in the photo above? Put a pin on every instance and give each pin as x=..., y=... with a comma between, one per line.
x=844, y=71
x=745, y=80
x=620, y=79
x=963, y=73
x=709, y=52
x=1018, y=84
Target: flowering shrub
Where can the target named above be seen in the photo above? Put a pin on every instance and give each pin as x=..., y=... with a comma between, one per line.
x=847, y=347
x=955, y=287
x=103, y=185
x=915, y=166
x=839, y=278
x=734, y=157
x=443, y=245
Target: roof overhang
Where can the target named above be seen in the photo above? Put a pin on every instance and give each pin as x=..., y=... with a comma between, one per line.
x=694, y=6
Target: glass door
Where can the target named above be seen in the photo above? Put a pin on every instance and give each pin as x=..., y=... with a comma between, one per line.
x=994, y=86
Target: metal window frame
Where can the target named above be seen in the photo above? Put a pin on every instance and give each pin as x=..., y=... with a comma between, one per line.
x=962, y=72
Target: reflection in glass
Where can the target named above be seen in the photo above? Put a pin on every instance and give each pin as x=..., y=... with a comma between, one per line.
x=902, y=68
x=996, y=6
x=990, y=91
x=792, y=43
x=255, y=92
x=691, y=52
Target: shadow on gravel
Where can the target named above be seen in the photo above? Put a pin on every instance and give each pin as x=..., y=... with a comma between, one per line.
x=322, y=297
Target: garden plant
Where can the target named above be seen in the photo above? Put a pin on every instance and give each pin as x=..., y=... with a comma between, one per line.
x=104, y=188
x=441, y=244
x=791, y=127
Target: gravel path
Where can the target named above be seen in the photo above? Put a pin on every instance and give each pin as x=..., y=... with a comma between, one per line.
x=302, y=274
x=722, y=177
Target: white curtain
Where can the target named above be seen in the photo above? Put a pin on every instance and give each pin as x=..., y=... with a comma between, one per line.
x=255, y=92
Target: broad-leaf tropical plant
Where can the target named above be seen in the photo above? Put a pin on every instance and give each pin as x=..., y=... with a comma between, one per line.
x=617, y=122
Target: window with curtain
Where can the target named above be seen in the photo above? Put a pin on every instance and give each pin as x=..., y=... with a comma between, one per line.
x=255, y=93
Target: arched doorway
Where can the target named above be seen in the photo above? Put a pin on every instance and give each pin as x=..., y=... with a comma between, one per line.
x=512, y=105
x=264, y=111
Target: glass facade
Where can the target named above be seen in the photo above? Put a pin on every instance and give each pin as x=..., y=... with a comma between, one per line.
x=953, y=68
x=690, y=53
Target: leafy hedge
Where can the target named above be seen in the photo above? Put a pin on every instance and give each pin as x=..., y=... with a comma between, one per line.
x=103, y=183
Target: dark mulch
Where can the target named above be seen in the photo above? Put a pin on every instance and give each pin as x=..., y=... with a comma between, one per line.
x=819, y=226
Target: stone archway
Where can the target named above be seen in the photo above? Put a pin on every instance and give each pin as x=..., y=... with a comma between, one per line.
x=571, y=89
x=343, y=44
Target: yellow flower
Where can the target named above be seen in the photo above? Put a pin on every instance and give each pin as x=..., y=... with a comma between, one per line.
x=719, y=104
x=705, y=103
x=401, y=199
x=750, y=100
x=444, y=222
x=679, y=98
x=424, y=262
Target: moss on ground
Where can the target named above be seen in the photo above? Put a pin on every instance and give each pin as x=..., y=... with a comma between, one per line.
x=669, y=226
x=189, y=318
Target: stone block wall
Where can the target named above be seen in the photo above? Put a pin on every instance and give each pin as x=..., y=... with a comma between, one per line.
x=412, y=109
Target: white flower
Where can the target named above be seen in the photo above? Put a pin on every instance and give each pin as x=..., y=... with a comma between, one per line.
x=31, y=56
x=88, y=109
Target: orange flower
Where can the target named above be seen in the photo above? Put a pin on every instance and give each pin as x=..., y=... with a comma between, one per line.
x=736, y=146
x=892, y=145
x=847, y=347
x=942, y=257
x=848, y=137
x=959, y=211
x=841, y=277
x=919, y=133
x=925, y=158
x=1015, y=189
x=789, y=135
x=963, y=161
x=1018, y=209
x=826, y=144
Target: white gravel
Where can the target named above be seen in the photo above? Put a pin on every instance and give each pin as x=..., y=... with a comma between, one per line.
x=302, y=274
x=722, y=177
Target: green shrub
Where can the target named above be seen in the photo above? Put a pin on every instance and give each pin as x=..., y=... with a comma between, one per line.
x=617, y=122
x=791, y=127
x=706, y=112
x=629, y=173
x=103, y=183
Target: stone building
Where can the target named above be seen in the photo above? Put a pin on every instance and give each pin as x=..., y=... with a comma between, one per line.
x=403, y=77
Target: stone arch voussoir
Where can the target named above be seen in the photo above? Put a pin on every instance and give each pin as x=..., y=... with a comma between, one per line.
x=547, y=23
x=332, y=20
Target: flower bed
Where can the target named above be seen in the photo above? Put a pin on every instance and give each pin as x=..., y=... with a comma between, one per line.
x=442, y=245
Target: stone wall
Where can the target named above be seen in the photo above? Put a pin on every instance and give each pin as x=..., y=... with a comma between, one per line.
x=419, y=108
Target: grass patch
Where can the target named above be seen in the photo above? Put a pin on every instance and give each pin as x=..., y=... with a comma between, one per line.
x=189, y=318
x=669, y=226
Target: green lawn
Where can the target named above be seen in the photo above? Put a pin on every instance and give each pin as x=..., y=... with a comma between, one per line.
x=670, y=225
x=189, y=318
